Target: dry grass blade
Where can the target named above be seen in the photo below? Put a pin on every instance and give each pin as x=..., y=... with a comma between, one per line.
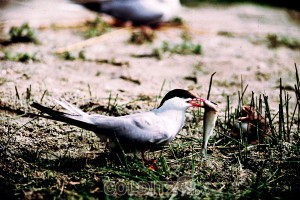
x=90, y=41
x=210, y=83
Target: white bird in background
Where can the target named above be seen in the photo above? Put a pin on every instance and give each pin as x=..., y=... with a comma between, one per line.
x=139, y=12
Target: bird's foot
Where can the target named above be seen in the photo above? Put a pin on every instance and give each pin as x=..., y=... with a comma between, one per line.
x=151, y=164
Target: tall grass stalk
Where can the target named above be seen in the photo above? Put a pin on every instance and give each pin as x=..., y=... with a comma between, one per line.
x=270, y=120
x=227, y=114
x=43, y=95
x=297, y=93
x=160, y=92
x=210, y=84
x=281, y=128
x=28, y=94
x=288, y=131
x=17, y=93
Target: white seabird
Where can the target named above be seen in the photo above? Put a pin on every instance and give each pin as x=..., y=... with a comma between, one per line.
x=139, y=12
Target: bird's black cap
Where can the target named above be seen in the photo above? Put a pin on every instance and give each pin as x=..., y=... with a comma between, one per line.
x=177, y=93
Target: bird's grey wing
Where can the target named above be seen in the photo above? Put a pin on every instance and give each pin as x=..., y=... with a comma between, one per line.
x=140, y=129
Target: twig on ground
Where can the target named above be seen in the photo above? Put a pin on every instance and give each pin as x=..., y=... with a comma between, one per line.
x=89, y=42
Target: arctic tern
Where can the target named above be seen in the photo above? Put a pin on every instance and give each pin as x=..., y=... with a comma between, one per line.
x=135, y=132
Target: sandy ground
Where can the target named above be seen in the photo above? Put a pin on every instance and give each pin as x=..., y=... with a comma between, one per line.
x=242, y=52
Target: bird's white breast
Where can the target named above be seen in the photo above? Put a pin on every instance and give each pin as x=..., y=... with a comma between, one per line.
x=172, y=121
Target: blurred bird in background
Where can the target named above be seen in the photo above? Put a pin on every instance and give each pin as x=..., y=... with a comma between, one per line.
x=138, y=12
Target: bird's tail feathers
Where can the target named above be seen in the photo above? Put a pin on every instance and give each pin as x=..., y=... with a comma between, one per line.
x=75, y=118
x=71, y=108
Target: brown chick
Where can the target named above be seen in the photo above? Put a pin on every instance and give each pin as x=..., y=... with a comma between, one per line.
x=252, y=126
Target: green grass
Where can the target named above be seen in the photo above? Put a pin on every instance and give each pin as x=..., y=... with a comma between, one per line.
x=183, y=48
x=64, y=162
x=186, y=47
x=19, y=57
x=69, y=56
x=21, y=34
x=288, y=3
x=275, y=41
x=95, y=28
x=141, y=36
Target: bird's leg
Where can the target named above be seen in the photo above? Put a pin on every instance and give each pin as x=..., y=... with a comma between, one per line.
x=149, y=163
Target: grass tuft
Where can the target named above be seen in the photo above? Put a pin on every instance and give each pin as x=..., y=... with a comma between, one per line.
x=142, y=36
x=24, y=33
x=68, y=56
x=275, y=41
x=96, y=27
x=21, y=34
x=19, y=57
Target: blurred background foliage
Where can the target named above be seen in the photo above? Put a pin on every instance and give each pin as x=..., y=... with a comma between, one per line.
x=291, y=4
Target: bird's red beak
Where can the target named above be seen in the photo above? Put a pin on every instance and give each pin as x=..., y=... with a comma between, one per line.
x=197, y=102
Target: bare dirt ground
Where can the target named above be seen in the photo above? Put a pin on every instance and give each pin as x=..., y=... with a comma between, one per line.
x=234, y=41
x=244, y=52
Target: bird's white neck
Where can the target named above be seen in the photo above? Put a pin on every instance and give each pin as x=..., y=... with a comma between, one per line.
x=173, y=119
